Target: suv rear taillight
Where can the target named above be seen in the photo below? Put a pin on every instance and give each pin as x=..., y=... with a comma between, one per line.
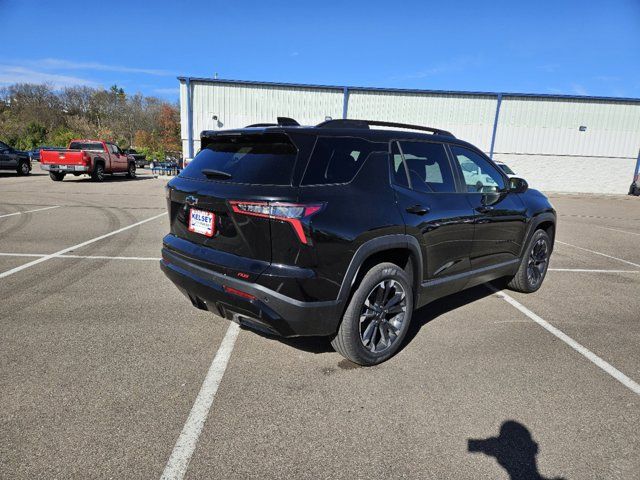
x=292, y=213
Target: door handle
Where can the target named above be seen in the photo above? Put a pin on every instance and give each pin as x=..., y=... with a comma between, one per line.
x=418, y=209
x=484, y=208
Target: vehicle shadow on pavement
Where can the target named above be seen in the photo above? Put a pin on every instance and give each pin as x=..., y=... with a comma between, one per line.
x=514, y=449
x=306, y=344
x=444, y=305
x=420, y=318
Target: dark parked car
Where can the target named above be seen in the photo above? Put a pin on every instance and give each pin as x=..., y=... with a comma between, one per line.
x=139, y=158
x=343, y=230
x=16, y=160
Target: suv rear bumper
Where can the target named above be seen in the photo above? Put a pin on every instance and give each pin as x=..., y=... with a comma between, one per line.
x=268, y=310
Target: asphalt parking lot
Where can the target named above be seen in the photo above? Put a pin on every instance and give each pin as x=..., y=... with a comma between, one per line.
x=102, y=361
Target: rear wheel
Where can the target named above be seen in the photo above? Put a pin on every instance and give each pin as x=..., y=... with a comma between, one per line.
x=378, y=316
x=131, y=172
x=534, y=264
x=24, y=168
x=56, y=176
x=98, y=173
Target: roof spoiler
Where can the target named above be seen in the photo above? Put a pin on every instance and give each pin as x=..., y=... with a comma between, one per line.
x=365, y=124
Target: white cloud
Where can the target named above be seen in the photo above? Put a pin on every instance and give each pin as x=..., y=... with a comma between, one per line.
x=579, y=89
x=455, y=65
x=10, y=74
x=166, y=91
x=294, y=54
x=60, y=64
x=607, y=78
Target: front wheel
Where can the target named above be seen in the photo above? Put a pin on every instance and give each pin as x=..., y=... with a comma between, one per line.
x=24, y=168
x=56, y=176
x=534, y=264
x=377, y=317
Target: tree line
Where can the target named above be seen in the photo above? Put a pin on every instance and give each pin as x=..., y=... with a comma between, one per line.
x=33, y=115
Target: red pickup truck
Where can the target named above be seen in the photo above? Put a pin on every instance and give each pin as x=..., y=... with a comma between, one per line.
x=89, y=157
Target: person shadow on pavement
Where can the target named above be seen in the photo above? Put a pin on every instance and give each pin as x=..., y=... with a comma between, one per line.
x=514, y=449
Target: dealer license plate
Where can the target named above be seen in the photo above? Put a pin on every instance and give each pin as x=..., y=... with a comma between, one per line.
x=201, y=222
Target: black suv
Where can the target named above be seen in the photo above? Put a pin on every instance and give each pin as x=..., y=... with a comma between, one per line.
x=344, y=230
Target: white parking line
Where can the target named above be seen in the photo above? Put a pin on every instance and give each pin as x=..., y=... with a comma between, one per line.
x=89, y=257
x=617, y=230
x=599, y=253
x=106, y=257
x=186, y=444
x=607, y=367
x=591, y=270
x=29, y=211
x=68, y=249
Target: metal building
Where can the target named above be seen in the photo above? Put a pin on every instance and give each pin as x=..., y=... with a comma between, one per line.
x=557, y=142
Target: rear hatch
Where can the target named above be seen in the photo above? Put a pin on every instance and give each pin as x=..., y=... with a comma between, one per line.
x=217, y=202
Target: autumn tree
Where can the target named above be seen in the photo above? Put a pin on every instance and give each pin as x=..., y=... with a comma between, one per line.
x=169, y=124
x=34, y=114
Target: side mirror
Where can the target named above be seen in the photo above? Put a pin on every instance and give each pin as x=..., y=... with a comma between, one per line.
x=518, y=185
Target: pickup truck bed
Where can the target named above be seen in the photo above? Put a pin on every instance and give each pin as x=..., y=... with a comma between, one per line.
x=90, y=157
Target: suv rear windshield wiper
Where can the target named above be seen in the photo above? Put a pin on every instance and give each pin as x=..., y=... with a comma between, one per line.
x=209, y=173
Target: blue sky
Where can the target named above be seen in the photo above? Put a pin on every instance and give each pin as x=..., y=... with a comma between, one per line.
x=585, y=47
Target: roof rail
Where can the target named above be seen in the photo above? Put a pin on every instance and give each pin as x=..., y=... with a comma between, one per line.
x=255, y=125
x=349, y=123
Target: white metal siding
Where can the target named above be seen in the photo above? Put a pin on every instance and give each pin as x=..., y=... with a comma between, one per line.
x=550, y=126
x=467, y=117
x=237, y=106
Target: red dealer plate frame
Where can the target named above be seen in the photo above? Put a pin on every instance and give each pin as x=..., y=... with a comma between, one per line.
x=202, y=222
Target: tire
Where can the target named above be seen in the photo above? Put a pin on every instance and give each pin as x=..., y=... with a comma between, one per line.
x=56, y=176
x=98, y=173
x=364, y=342
x=534, y=265
x=131, y=172
x=24, y=168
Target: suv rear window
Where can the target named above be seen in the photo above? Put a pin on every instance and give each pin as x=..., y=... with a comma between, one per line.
x=338, y=159
x=253, y=159
x=95, y=146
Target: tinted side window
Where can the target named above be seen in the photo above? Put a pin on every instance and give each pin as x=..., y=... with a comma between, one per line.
x=428, y=166
x=479, y=175
x=337, y=159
